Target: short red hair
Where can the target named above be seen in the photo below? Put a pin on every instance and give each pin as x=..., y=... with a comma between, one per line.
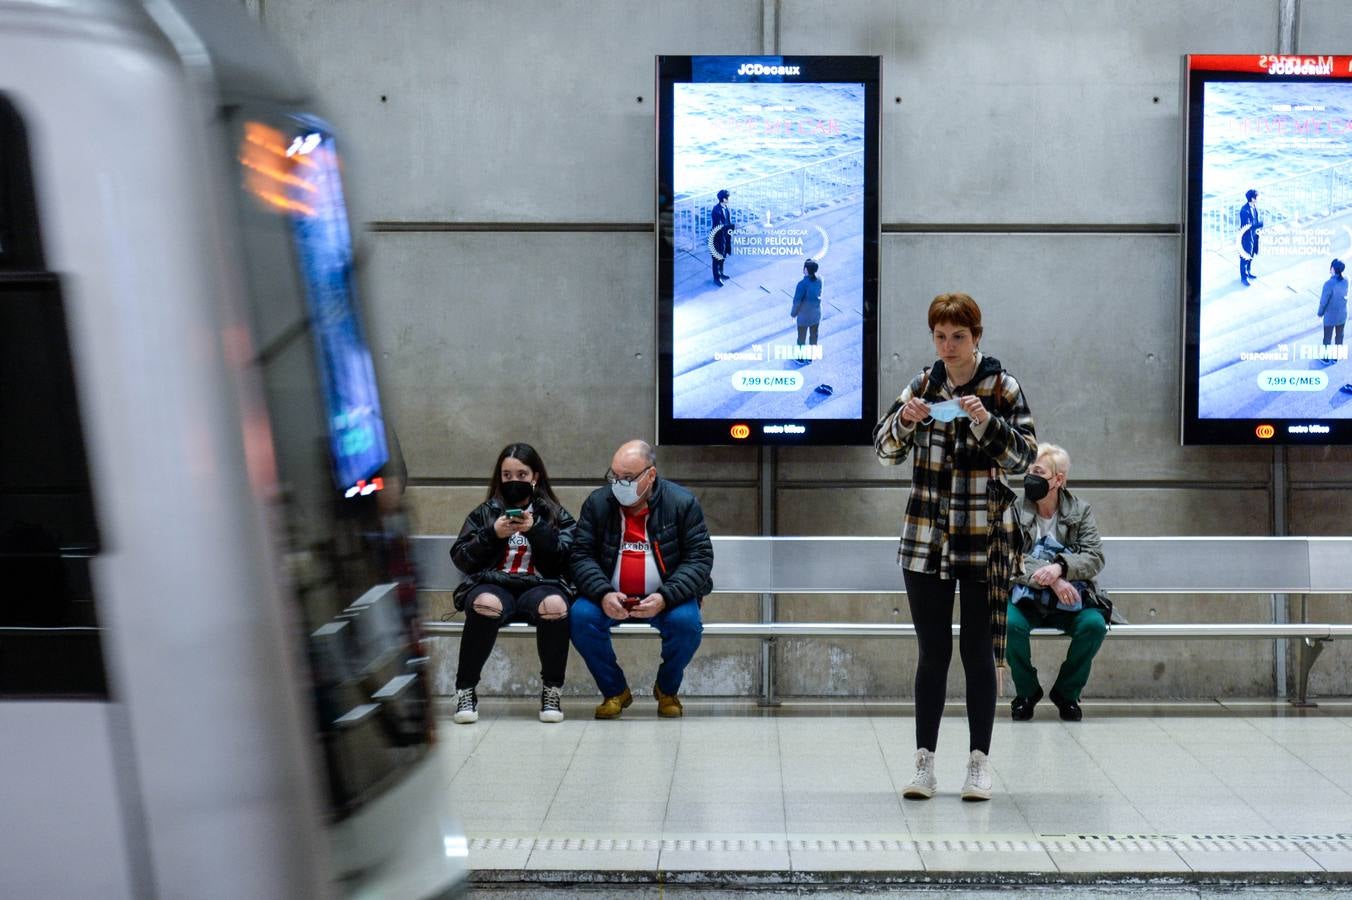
x=956, y=309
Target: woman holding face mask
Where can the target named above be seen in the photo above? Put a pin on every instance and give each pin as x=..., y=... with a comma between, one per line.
x=966, y=423
x=513, y=549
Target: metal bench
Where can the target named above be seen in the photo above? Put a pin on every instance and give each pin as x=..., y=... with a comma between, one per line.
x=768, y=566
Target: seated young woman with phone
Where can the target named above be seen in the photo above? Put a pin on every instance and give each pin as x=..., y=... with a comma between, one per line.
x=513, y=549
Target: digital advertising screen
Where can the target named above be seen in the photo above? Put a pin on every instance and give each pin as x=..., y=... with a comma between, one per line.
x=324, y=251
x=767, y=288
x=1268, y=235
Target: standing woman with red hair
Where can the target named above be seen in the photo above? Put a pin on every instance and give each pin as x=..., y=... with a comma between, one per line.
x=966, y=422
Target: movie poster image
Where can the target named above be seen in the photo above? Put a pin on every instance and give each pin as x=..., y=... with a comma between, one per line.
x=1276, y=212
x=754, y=336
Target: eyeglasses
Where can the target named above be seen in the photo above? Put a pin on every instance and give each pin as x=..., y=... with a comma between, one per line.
x=612, y=478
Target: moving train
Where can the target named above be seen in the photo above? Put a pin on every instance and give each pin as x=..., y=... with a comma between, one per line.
x=211, y=675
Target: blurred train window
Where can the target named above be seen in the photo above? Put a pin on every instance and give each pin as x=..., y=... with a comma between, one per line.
x=50, y=644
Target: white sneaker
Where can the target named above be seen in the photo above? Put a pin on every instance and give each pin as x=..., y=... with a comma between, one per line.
x=551, y=704
x=978, y=784
x=923, y=785
x=466, y=707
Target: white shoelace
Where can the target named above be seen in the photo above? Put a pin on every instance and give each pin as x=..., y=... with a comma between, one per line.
x=465, y=700
x=551, y=699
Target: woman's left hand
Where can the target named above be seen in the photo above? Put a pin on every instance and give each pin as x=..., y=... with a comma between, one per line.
x=975, y=408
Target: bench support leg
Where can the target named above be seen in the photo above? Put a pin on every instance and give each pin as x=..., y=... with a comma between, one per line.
x=1310, y=648
x=769, y=654
x=768, y=697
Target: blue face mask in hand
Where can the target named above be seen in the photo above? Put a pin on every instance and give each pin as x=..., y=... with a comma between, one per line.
x=947, y=411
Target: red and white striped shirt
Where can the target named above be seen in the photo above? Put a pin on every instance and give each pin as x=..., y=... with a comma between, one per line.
x=636, y=572
x=516, y=558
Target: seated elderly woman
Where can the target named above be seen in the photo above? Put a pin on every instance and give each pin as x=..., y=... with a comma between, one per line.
x=1062, y=555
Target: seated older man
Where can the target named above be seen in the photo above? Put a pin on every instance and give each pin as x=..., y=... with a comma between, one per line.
x=1062, y=555
x=641, y=551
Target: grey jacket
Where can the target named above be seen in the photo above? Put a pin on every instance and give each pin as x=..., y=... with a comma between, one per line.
x=1075, y=529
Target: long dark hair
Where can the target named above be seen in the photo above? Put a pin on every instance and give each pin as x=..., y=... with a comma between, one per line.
x=523, y=453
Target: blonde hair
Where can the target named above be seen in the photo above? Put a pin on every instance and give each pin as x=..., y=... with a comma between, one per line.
x=1059, y=457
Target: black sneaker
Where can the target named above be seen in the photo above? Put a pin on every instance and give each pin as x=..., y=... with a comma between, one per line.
x=1069, y=709
x=551, y=704
x=1021, y=708
x=466, y=706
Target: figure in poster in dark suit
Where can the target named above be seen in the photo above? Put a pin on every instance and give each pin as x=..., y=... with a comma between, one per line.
x=721, y=228
x=1250, y=223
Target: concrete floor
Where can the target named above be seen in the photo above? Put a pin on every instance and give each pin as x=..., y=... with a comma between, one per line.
x=1191, y=798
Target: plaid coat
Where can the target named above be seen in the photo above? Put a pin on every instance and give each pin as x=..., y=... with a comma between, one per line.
x=959, y=521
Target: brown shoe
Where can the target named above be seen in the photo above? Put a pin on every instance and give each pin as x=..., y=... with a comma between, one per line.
x=611, y=707
x=668, y=706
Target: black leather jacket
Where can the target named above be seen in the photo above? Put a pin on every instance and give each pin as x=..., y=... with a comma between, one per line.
x=681, y=545
x=478, y=550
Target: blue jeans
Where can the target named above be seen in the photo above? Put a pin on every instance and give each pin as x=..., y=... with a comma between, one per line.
x=680, y=627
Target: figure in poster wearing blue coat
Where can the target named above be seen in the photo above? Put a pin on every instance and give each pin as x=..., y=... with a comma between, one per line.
x=1333, y=309
x=807, y=309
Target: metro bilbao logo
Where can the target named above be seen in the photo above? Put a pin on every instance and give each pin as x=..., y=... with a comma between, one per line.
x=759, y=69
x=1265, y=431
x=740, y=432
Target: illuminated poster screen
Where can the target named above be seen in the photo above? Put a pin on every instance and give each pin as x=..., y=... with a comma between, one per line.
x=1269, y=220
x=324, y=250
x=768, y=249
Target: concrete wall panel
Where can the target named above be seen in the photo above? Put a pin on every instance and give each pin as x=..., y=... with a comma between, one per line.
x=1323, y=464
x=1324, y=27
x=502, y=112
x=1028, y=111
x=486, y=338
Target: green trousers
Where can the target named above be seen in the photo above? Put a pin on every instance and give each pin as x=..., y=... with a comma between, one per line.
x=1086, y=629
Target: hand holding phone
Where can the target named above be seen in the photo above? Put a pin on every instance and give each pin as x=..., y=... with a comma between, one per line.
x=630, y=602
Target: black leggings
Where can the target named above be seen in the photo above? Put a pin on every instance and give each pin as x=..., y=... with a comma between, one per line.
x=481, y=633
x=1329, y=330
x=931, y=602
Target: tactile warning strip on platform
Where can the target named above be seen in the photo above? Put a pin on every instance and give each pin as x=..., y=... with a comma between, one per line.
x=1203, y=843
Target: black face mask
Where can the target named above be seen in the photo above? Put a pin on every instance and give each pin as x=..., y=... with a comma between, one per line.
x=1035, y=487
x=517, y=493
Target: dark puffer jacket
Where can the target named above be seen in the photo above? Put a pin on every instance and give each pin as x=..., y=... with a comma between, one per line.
x=680, y=539
x=478, y=550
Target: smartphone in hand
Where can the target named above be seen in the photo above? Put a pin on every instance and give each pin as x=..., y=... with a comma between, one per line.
x=630, y=602
x=514, y=513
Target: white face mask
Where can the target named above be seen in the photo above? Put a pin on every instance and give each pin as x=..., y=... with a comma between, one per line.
x=627, y=492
